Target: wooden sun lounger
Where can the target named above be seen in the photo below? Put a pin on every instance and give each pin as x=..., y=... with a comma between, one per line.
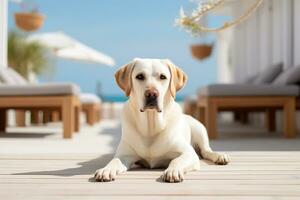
x=68, y=105
x=209, y=107
x=216, y=98
x=44, y=97
x=90, y=102
x=91, y=110
x=90, y=106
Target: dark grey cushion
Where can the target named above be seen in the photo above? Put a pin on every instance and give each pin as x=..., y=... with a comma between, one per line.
x=269, y=74
x=6, y=78
x=250, y=79
x=40, y=89
x=249, y=90
x=19, y=80
x=289, y=76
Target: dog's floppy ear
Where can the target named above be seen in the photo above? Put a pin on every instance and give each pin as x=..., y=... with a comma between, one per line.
x=178, y=77
x=123, y=77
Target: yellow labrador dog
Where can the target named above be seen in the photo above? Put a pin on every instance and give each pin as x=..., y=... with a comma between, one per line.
x=155, y=132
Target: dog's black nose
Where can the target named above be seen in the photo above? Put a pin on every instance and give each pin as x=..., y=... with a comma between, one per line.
x=151, y=94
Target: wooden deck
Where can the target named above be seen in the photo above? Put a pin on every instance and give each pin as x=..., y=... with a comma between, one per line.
x=250, y=175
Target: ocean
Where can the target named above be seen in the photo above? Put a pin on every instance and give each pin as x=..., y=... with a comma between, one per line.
x=122, y=98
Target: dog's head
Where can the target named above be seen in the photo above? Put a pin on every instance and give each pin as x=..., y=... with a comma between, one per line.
x=150, y=82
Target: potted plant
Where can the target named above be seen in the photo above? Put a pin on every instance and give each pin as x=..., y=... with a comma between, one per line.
x=195, y=23
x=203, y=48
x=29, y=19
x=27, y=58
x=201, y=51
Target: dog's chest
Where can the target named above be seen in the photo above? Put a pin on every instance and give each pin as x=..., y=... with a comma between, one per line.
x=154, y=153
x=155, y=150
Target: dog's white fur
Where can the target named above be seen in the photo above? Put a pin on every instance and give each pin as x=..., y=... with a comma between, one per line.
x=157, y=139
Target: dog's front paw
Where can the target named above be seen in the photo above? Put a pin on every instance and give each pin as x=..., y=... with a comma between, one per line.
x=173, y=175
x=109, y=172
x=105, y=175
x=222, y=159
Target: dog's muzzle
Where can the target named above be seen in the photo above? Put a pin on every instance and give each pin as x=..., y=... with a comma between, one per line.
x=151, y=97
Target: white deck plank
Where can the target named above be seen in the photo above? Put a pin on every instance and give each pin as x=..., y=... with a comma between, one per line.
x=48, y=167
x=53, y=177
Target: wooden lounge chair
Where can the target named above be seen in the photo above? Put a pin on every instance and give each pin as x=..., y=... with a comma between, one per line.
x=269, y=91
x=90, y=103
x=91, y=106
x=232, y=97
x=62, y=97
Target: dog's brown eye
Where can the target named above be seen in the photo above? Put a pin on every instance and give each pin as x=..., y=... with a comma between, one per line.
x=162, y=77
x=140, y=77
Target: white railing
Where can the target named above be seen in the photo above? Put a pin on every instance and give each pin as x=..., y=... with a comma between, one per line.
x=3, y=33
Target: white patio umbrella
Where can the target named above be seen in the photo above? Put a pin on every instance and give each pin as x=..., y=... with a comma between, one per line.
x=64, y=46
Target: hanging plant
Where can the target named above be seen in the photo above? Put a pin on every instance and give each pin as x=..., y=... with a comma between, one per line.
x=192, y=23
x=29, y=19
x=203, y=48
x=201, y=51
x=195, y=23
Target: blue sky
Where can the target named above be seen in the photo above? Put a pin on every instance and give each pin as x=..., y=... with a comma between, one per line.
x=123, y=30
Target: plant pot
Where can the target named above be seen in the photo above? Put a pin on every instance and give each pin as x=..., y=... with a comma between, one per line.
x=201, y=51
x=29, y=21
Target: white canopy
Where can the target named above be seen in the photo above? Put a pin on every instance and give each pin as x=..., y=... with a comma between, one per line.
x=66, y=47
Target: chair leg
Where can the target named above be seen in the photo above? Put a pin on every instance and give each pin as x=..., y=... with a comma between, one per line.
x=55, y=116
x=46, y=116
x=289, y=114
x=270, y=120
x=68, y=117
x=236, y=116
x=190, y=108
x=77, y=119
x=241, y=116
x=244, y=117
x=201, y=115
x=34, y=116
x=90, y=115
x=20, y=117
x=98, y=113
x=2, y=120
x=211, y=120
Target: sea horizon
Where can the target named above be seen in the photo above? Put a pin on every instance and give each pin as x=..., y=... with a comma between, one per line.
x=122, y=98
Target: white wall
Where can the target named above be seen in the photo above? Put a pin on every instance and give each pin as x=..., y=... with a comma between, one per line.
x=3, y=33
x=269, y=36
x=296, y=42
x=223, y=60
x=296, y=35
x=287, y=28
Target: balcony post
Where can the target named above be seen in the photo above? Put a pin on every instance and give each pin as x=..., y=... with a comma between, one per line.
x=3, y=33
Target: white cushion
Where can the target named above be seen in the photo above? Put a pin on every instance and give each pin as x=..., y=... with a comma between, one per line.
x=86, y=98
